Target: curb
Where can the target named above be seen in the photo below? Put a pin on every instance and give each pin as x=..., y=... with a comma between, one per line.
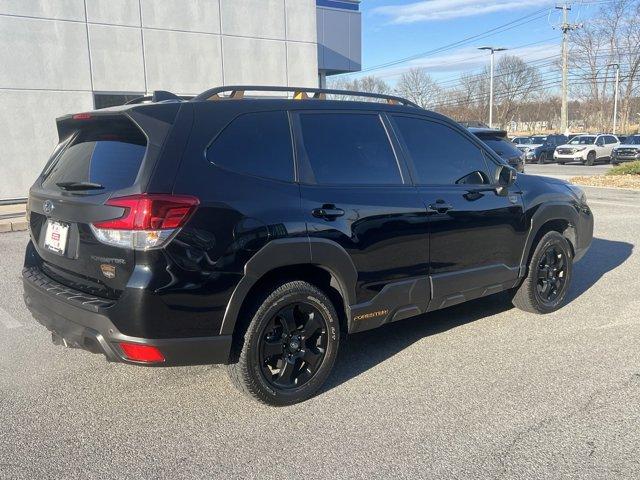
x=18, y=224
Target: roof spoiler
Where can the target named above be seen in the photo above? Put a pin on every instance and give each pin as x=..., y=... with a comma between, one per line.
x=299, y=93
x=159, y=96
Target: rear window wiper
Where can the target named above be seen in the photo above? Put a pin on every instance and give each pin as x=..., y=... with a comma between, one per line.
x=80, y=186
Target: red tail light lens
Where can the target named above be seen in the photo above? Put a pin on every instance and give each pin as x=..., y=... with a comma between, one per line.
x=147, y=221
x=142, y=353
x=150, y=212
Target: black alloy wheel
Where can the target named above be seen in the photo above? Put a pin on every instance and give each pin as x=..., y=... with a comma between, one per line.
x=286, y=351
x=293, y=346
x=543, y=158
x=551, y=274
x=548, y=278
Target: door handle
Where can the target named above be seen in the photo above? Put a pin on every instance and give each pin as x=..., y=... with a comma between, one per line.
x=439, y=207
x=328, y=212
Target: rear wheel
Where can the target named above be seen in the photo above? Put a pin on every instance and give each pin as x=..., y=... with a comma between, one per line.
x=289, y=347
x=591, y=159
x=543, y=158
x=548, y=278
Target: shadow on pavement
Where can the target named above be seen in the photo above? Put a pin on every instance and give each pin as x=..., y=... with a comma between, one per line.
x=366, y=350
x=602, y=257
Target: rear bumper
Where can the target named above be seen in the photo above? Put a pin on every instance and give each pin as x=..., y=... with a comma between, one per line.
x=78, y=320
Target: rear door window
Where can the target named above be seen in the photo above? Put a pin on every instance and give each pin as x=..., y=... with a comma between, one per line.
x=106, y=152
x=347, y=149
x=256, y=144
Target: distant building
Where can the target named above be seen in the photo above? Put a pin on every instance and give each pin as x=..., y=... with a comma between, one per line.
x=63, y=56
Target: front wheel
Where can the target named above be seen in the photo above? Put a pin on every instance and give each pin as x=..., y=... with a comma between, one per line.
x=548, y=278
x=289, y=347
x=591, y=159
x=543, y=158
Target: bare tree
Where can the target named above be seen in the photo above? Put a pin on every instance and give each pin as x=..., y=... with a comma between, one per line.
x=368, y=84
x=418, y=86
x=515, y=83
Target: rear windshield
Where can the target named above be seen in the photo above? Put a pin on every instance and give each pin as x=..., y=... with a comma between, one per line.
x=500, y=145
x=107, y=153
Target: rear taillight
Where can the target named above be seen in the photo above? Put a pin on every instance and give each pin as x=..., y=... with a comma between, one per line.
x=148, y=221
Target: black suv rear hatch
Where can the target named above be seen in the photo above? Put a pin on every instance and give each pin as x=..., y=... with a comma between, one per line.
x=101, y=155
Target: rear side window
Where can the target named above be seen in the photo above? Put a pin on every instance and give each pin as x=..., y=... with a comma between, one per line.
x=256, y=144
x=348, y=149
x=440, y=154
x=106, y=152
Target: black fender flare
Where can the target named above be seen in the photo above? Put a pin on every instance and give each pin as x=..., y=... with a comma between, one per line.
x=548, y=212
x=323, y=253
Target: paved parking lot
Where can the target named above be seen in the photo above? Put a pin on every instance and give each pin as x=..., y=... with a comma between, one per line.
x=477, y=391
x=567, y=171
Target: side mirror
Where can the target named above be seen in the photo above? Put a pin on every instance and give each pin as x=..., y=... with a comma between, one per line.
x=505, y=177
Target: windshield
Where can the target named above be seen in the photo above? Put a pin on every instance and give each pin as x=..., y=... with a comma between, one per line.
x=538, y=140
x=632, y=140
x=583, y=140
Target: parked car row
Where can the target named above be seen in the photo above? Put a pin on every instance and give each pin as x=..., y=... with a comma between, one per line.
x=586, y=148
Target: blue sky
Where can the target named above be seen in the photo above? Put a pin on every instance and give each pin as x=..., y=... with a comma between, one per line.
x=394, y=29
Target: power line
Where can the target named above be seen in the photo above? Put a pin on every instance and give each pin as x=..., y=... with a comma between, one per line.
x=499, y=29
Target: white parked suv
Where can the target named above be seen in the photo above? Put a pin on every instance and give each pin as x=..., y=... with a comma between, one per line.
x=587, y=149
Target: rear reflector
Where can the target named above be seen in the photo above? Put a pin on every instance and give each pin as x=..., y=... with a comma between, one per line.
x=82, y=116
x=147, y=221
x=142, y=353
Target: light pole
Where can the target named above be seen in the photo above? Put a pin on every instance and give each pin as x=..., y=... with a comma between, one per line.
x=615, y=96
x=492, y=50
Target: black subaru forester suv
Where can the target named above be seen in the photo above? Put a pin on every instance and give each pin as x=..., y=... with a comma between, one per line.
x=258, y=232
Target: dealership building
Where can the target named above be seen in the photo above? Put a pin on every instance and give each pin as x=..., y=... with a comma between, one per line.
x=64, y=56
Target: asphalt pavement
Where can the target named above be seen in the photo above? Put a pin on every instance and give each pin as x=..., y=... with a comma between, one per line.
x=478, y=391
x=565, y=172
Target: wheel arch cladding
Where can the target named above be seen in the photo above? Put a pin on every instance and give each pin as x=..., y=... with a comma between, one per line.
x=559, y=217
x=320, y=262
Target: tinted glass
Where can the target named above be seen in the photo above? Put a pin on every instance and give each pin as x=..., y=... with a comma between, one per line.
x=348, y=149
x=256, y=144
x=441, y=155
x=611, y=139
x=500, y=145
x=582, y=140
x=633, y=140
x=107, y=152
x=538, y=140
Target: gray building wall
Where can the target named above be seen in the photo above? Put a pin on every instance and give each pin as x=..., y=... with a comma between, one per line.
x=54, y=54
x=339, y=37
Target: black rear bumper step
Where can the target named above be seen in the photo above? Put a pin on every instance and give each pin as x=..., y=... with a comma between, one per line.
x=76, y=320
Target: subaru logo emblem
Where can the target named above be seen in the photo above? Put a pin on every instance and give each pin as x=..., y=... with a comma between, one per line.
x=47, y=207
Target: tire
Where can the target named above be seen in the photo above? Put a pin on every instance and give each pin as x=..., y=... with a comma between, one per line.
x=591, y=159
x=543, y=158
x=284, y=321
x=531, y=295
x=560, y=162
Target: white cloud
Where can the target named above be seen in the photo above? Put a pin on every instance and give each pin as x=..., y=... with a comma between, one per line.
x=467, y=59
x=433, y=10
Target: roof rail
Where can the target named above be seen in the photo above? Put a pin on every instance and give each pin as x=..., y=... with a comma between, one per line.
x=158, y=96
x=299, y=93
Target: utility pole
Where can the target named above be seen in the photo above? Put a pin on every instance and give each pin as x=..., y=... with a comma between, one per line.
x=615, y=96
x=492, y=50
x=566, y=27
